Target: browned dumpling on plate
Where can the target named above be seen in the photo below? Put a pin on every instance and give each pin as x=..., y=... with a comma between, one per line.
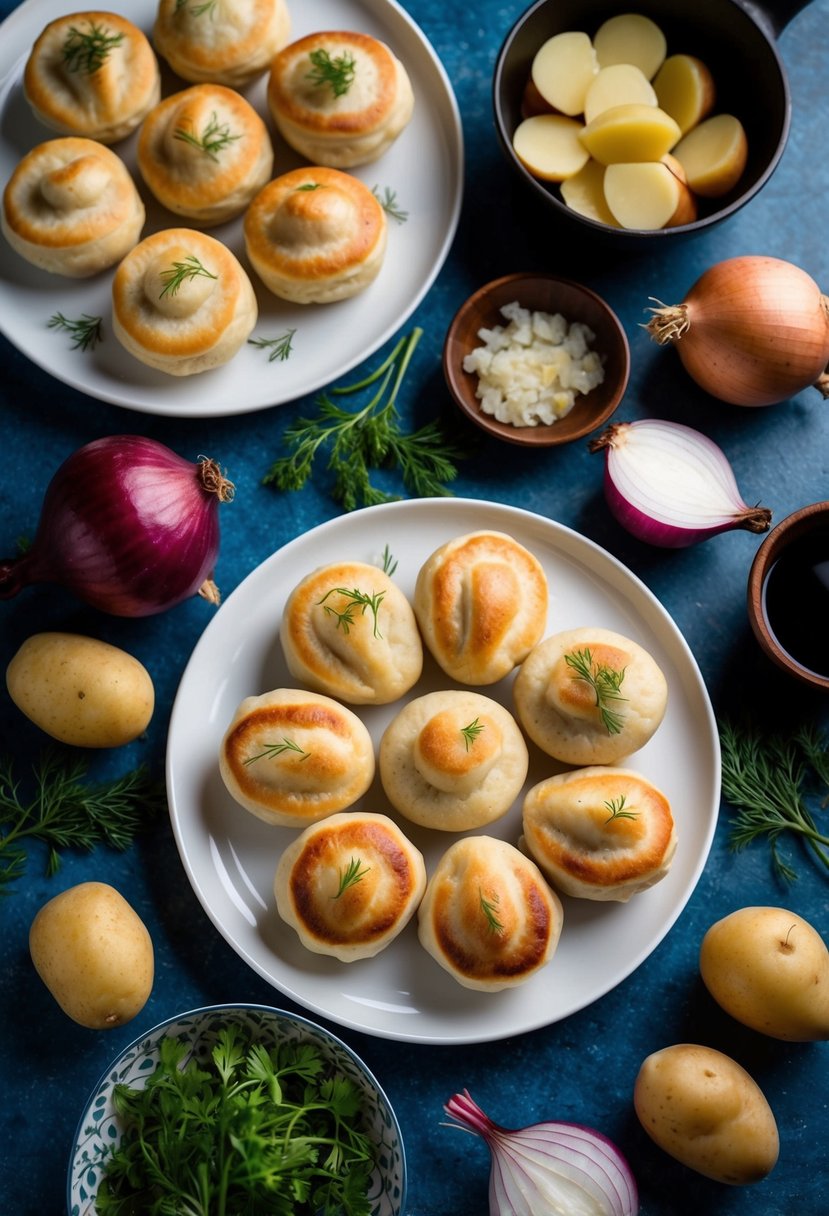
x=204, y=153
x=453, y=760
x=182, y=302
x=71, y=207
x=339, y=98
x=292, y=757
x=222, y=41
x=348, y=631
x=481, y=603
x=590, y=696
x=600, y=832
x=349, y=885
x=92, y=74
x=316, y=235
x=488, y=916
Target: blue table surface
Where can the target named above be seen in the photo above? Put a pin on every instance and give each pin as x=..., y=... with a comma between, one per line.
x=583, y=1068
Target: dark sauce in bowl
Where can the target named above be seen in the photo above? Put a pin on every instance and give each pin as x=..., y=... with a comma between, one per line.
x=795, y=600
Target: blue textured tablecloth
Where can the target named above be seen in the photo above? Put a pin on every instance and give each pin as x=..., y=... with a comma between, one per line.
x=582, y=1069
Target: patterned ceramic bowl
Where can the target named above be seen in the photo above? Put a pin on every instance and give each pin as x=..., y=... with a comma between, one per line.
x=99, y=1128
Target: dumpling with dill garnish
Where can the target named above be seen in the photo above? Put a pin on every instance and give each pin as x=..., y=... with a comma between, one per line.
x=590, y=696
x=348, y=631
x=292, y=757
x=222, y=41
x=599, y=832
x=350, y=885
x=204, y=153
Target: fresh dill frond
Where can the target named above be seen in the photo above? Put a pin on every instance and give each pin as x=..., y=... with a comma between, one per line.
x=355, y=598
x=388, y=201
x=389, y=562
x=306, y=186
x=349, y=875
x=87, y=51
x=198, y=10
x=86, y=332
x=279, y=348
x=489, y=909
x=337, y=72
x=619, y=810
x=270, y=750
x=213, y=139
x=471, y=731
x=605, y=682
x=177, y=274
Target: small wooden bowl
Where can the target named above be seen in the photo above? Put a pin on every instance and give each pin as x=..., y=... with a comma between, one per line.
x=541, y=293
x=813, y=518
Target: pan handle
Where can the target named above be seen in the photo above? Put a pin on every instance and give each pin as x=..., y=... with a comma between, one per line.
x=774, y=15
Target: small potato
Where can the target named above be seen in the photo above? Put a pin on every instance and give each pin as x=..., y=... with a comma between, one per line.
x=769, y=969
x=548, y=146
x=713, y=155
x=562, y=70
x=629, y=133
x=94, y=954
x=631, y=38
x=704, y=1109
x=685, y=89
x=81, y=691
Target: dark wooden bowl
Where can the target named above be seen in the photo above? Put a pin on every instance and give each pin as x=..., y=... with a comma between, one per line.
x=543, y=293
x=799, y=524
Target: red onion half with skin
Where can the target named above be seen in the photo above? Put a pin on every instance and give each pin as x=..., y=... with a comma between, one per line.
x=128, y=526
x=549, y=1167
x=670, y=485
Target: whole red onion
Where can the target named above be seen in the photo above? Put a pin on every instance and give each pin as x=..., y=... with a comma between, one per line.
x=128, y=526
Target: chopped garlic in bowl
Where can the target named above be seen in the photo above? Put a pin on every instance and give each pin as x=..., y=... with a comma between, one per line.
x=532, y=369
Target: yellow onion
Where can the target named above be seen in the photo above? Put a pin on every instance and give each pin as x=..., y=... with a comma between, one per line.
x=751, y=331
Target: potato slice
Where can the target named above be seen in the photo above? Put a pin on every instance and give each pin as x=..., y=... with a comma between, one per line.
x=617, y=85
x=562, y=70
x=584, y=193
x=549, y=147
x=631, y=38
x=647, y=195
x=713, y=155
x=630, y=132
x=685, y=89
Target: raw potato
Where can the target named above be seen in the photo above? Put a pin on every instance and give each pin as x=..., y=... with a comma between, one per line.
x=562, y=70
x=685, y=89
x=548, y=146
x=769, y=969
x=81, y=691
x=631, y=38
x=584, y=193
x=617, y=85
x=94, y=954
x=704, y=1109
x=713, y=155
x=647, y=195
x=631, y=132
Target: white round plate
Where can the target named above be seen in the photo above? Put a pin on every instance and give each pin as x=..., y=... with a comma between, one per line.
x=230, y=856
x=423, y=170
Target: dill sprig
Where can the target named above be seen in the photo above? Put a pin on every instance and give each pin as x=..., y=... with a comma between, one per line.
x=768, y=780
x=270, y=750
x=388, y=201
x=279, y=348
x=605, y=682
x=198, y=10
x=337, y=72
x=63, y=811
x=471, y=731
x=87, y=51
x=619, y=810
x=489, y=909
x=369, y=438
x=349, y=875
x=177, y=274
x=213, y=138
x=86, y=332
x=355, y=598
x=389, y=562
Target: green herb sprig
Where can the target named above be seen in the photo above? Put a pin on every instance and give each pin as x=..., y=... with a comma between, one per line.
x=197, y=10
x=63, y=811
x=86, y=51
x=605, y=682
x=271, y=750
x=279, y=348
x=177, y=274
x=489, y=907
x=355, y=598
x=619, y=809
x=471, y=731
x=87, y=331
x=388, y=201
x=264, y=1129
x=337, y=72
x=389, y=561
x=770, y=780
x=213, y=139
x=369, y=438
x=349, y=875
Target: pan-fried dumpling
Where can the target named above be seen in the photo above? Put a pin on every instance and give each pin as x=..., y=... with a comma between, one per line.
x=453, y=760
x=488, y=916
x=590, y=696
x=349, y=885
x=72, y=208
x=292, y=757
x=481, y=603
x=224, y=42
x=92, y=74
x=348, y=630
x=339, y=98
x=599, y=832
x=181, y=302
x=204, y=153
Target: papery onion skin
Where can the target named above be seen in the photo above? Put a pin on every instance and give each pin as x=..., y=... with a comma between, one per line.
x=752, y=331
x=128, y=526
x=643, y=509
